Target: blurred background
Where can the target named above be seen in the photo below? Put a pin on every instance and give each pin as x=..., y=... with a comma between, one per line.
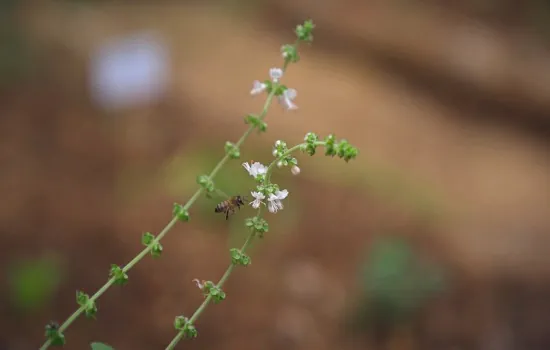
x=436, y=237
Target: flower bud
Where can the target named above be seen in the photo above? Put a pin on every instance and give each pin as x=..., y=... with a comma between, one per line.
x=295, y=170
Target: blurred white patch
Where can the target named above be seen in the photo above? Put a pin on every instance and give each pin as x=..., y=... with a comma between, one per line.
x=129, y=72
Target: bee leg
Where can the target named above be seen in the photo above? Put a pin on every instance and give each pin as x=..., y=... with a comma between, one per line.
x=227, y=215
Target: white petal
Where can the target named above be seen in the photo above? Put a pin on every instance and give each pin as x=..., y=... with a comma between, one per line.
x=259, y=169
x=276, y=74
x=271, y=207
x=287, y=103
x=291, y=94
x=257, y=87
x=256, y=203
x=258, y=195
x=247, y=167
x=281, y=194
x=295, y=170
x=291, y=106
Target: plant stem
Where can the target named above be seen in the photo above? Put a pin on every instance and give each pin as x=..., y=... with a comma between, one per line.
x=289, y=151
x=208, y=299
x=164, y=231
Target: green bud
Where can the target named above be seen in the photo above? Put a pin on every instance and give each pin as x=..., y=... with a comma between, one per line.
x=310, y=149
x=330, y=149
x=260, y=178
x=52, y=333
x=180, y=213
x=205, y=182
x=147, y=238
x=83, y=299
x=239, y=258
x=180, y=322
x=118, y=274
x=232, y=150
x=256, y=121
x=342, y=148
x=351, y=153
x=290, y=53
x=280, y=90
x=189, y=331
x=311, y=137
x=257, y=225
x=304, y=31
x=214, y=291
x=156, y=250
x=249, y=222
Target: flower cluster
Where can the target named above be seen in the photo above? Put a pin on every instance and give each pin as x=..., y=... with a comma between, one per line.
x=280, y=151
x=285, y=95
x=342, y=148
x=265, y=190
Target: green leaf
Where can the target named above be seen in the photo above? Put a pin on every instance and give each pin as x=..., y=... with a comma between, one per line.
x=101, y=346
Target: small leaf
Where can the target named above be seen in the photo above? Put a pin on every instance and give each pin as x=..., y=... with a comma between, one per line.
x=101, y=346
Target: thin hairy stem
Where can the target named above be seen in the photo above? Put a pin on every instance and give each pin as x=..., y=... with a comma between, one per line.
x=208, y=299
x=164, y=231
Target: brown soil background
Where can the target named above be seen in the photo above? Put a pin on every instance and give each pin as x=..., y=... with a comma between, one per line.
x=449, y=109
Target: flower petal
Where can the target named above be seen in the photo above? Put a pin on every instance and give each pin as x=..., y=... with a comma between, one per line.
x=247, y=167
x=281, y=194
x=272, y=207
x=276, y=74
x=290, y=94
x=257, y=87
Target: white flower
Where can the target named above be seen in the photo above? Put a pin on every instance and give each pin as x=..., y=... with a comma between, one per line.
x=278, y=143
x=275, y=152
x=276, y=74
x=274, y=201
x=295, y=170
x=258, y=196
x=255, y=169
x=280, y=164
x=257, y=87
x=286, y=99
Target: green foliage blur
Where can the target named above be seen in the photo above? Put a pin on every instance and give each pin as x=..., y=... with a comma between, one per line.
x=395, y=283
x=32, y=283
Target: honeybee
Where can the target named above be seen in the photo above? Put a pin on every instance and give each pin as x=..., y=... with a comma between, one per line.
x=229, y=205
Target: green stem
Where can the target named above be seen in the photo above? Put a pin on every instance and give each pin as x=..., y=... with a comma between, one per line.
x=164, y=231
x=288, y=152
x=208, y=299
